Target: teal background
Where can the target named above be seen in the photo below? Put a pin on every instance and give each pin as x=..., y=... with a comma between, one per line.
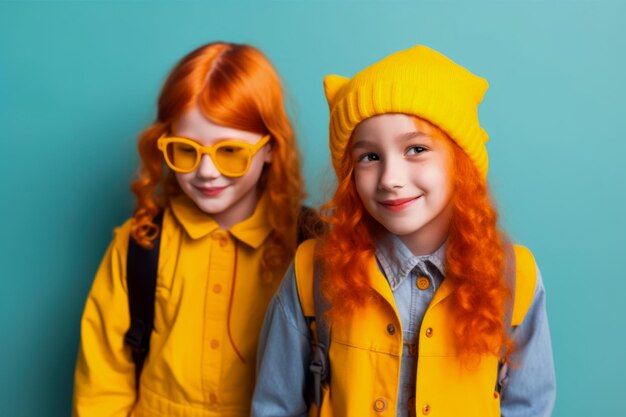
x=79, y=80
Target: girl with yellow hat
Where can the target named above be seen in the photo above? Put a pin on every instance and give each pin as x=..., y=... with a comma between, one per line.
x=428, y=309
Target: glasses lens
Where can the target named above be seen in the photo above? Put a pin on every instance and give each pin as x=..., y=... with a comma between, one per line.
x=232, y=159
x=182, y=155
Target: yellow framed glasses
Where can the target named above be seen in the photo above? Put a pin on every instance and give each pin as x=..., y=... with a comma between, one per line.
x=231, y=157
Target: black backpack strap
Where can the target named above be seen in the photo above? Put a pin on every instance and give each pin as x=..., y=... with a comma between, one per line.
x=320, y=365
x=141, y=277
x=308, y=275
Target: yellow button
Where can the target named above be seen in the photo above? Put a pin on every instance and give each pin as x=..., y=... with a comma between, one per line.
x=217, y=288
x=221, y=237
x=422, y=283
x=429, y=332
x=426, y=409
x=380, y=404
x=215, y=344
x=213, y=398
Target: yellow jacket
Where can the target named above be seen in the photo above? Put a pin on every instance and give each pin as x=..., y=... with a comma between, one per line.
x=365, y=352
x=193, y=367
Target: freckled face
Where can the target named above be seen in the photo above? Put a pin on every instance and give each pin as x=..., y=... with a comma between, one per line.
x=404, y=179
x=229, y=200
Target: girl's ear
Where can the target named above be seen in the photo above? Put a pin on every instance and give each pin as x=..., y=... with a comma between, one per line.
x=332, y=84
x=267, y=152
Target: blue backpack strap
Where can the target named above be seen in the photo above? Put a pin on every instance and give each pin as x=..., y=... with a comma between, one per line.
x=141, y=277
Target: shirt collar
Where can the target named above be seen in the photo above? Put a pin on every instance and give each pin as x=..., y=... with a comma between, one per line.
x=397, y=261
x=252, y=231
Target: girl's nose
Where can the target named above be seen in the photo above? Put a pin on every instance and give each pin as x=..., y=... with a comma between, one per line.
x=393, y=175
x=207, y=169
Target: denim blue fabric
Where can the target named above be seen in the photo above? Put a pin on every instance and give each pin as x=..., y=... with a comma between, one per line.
x=284, y=344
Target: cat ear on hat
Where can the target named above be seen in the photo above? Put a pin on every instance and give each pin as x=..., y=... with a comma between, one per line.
x=332, y=84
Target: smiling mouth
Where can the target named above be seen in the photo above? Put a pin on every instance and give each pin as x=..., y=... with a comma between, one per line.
x=210, y=191
x=399, y=204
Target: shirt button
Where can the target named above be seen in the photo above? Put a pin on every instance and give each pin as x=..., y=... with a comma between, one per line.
x=215, y=344
x=429, y=332
x=422, y=283
x=426, y=409
x=212, y=398
x=391, y=329
x=221, y=237
x=380, y=404
x=217, y=288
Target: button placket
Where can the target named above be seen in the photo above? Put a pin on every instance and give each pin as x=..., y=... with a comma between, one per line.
x=215, y=311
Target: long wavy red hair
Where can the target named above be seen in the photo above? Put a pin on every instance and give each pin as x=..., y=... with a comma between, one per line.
x=236, y=86
x=474, y=256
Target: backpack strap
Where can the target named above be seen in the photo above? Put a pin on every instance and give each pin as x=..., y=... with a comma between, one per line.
x=520, y=274
x=141, y=277
x=304, y=265
x=525, y=283
x=314, y=305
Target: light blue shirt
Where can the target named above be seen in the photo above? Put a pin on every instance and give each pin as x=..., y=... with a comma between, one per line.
x=284, y=344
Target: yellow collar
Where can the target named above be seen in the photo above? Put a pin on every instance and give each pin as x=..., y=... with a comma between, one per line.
x=252, y=231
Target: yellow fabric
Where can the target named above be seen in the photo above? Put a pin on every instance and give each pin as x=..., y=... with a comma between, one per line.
x=192, y=368
x=417, y=81
x=365, y=357
x=303, y=263
x=526, y=274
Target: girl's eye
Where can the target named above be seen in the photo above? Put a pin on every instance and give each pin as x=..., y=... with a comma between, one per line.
x=368, y=157
x=186, y=148
x=414, y=150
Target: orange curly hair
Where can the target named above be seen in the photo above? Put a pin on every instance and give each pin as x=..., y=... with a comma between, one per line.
x=236, y=86
x=474, y=256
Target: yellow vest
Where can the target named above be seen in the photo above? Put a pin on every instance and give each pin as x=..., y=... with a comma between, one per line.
x=192, y=368
x=365, y=351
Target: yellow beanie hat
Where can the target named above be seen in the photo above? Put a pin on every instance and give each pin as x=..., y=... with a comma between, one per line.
x=417, y=81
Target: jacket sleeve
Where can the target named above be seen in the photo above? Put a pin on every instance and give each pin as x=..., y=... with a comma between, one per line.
x=104, y=380
x=531, y=386
x=283, y=356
